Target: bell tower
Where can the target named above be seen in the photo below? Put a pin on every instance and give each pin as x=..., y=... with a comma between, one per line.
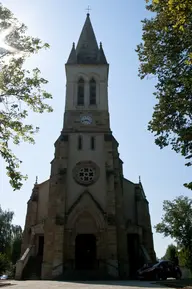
x=86, y=106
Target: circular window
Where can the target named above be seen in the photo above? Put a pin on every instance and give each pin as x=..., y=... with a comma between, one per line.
x=85, y=173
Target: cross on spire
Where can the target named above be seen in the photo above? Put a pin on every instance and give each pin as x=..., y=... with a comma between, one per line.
x=88, y=9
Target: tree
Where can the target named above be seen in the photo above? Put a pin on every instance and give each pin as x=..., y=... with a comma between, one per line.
x=4, y=263
x=177, y=11
x=6, y=231
x=21, y=90
x=166, y=53
x=16, y=244
x=185, y=258
x=177, y=223
x=10, y=240
x=171, y=254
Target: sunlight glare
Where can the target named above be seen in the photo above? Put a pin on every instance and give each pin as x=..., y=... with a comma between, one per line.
x=4, y=47
x=3, y=35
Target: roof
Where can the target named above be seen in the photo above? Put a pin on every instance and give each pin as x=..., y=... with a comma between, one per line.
x=87, y=50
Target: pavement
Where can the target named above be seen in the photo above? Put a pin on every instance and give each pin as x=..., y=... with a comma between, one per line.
x=79, y=285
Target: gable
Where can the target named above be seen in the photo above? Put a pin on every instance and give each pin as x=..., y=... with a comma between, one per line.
x=86, y=204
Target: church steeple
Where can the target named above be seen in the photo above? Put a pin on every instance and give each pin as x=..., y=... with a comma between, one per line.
x=72, y=56
x=87, y=50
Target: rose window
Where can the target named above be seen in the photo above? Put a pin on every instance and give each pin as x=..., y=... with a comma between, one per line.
x=85, y=173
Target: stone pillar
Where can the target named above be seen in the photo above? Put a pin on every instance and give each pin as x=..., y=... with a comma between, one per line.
x=54, y=225
x=58, y=250
x=59, y=227
x=48, y=248
x=111, y=234
x=54, y=230
x=144, y=221
x=68, y=248
x=120, y=220
x=121, y=235
x=31, y=219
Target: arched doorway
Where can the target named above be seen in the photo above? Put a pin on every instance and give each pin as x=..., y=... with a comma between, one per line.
x=85, y=251
x=134, y=254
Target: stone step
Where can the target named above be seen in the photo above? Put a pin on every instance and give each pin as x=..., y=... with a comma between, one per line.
x=32, y=270
x=84, y=275
x=34, y=276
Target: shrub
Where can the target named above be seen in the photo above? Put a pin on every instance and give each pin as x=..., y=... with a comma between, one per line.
x=4, y=263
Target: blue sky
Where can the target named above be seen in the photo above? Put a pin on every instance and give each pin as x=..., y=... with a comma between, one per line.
x=131, y=100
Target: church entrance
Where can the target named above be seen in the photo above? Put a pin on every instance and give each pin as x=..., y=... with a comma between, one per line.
x=40, y=246
x=134, y=254
x=85, y=251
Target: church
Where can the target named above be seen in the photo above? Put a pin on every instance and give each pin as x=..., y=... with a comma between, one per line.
x=87, y=220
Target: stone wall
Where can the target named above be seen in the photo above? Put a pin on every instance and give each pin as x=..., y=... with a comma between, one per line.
x=144, y=221
x=55, y=222
x=31, y=219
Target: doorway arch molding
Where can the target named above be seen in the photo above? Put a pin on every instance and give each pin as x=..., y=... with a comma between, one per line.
x=86, y=204
x=85, y=207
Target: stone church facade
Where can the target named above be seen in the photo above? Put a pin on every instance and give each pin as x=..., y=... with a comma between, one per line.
x=86, y=217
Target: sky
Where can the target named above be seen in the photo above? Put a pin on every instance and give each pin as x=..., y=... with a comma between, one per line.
x=131, y=100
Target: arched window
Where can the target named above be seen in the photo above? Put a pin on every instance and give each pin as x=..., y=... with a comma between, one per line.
x=92, y=143
x=79, y=145
x=92, y=92
x=80, y=92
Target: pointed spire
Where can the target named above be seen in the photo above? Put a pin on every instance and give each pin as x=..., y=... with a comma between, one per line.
x=101, y=55
x=87, y=47
x=87, y=37
x=72, y=56
x=87, y=50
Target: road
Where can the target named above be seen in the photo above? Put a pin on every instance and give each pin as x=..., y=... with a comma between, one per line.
x=83, y=285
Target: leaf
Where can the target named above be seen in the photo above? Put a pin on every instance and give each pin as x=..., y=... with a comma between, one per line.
x=166, y=53
x=21, y=91
x=176, y=223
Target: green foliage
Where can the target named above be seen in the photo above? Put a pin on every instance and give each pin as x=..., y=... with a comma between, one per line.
x=16, y=244
x=4, y=263
x=185, y=258
x=166, y=53
x=178, y=12
x=16, y=250
x=21, y=90
x=6, y=230
x=177, y=224
x=10, y=236
x=171, y=253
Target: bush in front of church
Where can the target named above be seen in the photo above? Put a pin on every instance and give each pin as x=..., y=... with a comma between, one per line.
x=4, y=263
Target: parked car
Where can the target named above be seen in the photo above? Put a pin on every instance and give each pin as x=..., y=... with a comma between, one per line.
x=159, y=271
x=3, y=277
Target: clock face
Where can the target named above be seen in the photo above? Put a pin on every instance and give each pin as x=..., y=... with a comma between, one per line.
x=86, y=119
